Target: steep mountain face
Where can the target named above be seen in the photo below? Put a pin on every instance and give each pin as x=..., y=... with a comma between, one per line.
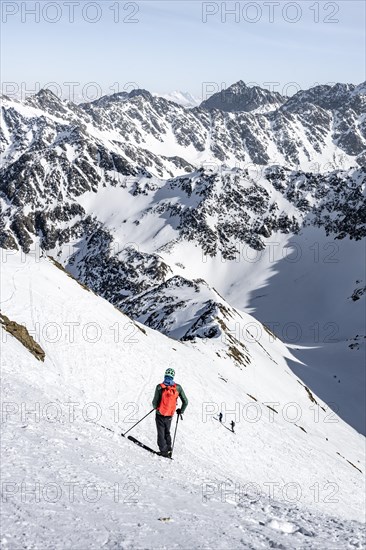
x=216, y=209
x=349, y=104
x=240, y=97
x=186, y=310
x=336, y=202
x=331, y=97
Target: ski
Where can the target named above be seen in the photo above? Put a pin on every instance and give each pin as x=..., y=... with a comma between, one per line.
x=131, y=438
x=143, y=446
x=136, y=441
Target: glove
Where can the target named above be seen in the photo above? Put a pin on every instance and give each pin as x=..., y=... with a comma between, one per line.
x=179, y=413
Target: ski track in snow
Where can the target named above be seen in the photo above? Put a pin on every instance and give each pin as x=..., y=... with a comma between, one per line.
x=86, y=454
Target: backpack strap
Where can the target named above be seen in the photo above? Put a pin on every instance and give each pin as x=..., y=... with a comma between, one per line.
x=164, y=386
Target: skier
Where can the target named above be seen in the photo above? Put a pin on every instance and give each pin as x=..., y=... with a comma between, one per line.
x=165, y=402
x=220, y=417
x=232, y=424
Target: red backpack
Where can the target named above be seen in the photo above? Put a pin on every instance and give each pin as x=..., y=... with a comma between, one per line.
x=168, y=402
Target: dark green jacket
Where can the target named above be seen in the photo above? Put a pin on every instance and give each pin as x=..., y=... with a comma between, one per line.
x=157, y=397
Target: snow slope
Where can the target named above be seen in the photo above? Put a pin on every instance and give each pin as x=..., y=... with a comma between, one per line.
x=318, y=496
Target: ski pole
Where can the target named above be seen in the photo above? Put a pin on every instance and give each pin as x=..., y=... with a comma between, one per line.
x=175, y=433
x=138, y=422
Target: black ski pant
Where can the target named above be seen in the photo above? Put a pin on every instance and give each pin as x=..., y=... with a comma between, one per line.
x=163, y=424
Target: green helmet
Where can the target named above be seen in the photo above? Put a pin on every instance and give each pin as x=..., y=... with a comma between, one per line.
x=170, y=372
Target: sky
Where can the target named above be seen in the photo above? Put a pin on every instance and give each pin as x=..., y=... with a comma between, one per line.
x=82, y=49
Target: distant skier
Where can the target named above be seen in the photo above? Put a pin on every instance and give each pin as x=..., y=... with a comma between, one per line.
x=232, y=424
x=165, y=402
x=220, y=417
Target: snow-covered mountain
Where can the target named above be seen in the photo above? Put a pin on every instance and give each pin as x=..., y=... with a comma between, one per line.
x=291, y=476
x=126, y=132
x=226, y=240
x=240, y=97
x=162, y=249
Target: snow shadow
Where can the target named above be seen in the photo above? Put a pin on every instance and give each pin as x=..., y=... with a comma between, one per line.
x=307, y=302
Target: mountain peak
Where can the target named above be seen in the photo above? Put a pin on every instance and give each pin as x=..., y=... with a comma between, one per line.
x=241, y=97
x=238, y=85
x=48, y=95
x=46, y=100
x=140, y=92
